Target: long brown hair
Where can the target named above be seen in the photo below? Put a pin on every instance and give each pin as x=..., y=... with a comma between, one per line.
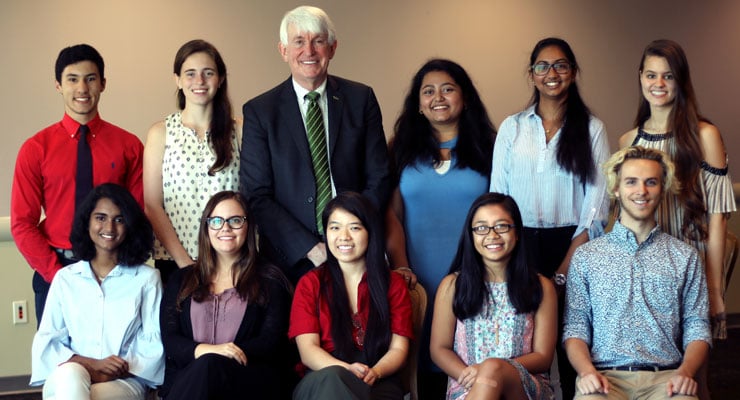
x=247, y=271
x=683, y=121
x=222, y=123
x=574, y=152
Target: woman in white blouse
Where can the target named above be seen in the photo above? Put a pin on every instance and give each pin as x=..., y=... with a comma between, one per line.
x=99, y=337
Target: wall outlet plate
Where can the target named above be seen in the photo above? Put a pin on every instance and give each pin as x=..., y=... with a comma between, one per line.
x=20, y=312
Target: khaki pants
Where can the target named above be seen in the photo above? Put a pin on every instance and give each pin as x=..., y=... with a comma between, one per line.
x=642, y=385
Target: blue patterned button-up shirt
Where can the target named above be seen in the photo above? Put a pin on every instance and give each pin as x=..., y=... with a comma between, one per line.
x=636, y=303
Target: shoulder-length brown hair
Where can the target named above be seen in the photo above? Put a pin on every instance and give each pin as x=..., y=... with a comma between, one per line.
x=247, y=271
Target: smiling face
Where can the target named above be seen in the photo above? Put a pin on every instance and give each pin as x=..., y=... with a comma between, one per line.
x=494, y=248
x=107, y=227
x=81, y=87
x=553, y=85
x=639, y=191
x=198, y=79
x=657, y=82
x=440, y=99
x=308, y=55
x=346, y=238
x=228, y=241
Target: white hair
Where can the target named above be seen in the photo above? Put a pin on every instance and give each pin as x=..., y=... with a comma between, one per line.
x=307, y=19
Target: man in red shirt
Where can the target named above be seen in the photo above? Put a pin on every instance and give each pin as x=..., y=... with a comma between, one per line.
x=46, y=166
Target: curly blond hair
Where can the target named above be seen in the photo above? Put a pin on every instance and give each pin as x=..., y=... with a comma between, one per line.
x=613, y=167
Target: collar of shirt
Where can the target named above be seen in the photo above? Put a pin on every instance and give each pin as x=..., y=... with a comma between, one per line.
x=530, y=112
x=72, y=127
x=301, y=93
x=83, y=268
x=628, y=238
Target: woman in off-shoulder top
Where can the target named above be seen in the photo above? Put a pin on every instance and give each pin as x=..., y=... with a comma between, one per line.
x=668, y=119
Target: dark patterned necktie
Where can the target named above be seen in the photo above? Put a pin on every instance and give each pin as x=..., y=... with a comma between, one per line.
x=319, y=154
x=84, y=177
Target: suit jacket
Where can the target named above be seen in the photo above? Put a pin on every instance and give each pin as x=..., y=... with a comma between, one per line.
x=277, y=171
x=262, y=334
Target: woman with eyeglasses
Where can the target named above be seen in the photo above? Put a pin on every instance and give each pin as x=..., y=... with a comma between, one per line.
x=668, y=119
x=495, y=317
x=547, y=158
x=224, y=319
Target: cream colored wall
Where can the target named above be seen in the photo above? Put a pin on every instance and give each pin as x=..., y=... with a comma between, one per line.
x=15, y=284
x=381, y=43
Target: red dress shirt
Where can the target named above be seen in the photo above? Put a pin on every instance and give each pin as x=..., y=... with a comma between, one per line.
x=307, y=317
x=44, y=179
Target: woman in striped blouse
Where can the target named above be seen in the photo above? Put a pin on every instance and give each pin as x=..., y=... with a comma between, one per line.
x=546, y=157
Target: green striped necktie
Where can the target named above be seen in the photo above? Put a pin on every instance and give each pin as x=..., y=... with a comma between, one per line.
x=319, y=154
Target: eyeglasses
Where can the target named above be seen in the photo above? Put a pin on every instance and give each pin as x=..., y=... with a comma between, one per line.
x=542, y=68
x=235, y=222
x=485, y=230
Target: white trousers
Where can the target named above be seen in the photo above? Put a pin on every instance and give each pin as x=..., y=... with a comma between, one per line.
x=71, y=381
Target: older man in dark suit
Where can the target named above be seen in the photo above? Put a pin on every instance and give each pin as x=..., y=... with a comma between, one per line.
x=306, y=140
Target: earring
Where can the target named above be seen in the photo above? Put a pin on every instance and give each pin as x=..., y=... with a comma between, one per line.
x=421, y=112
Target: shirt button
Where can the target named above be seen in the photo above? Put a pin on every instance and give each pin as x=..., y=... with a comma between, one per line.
x=310, y=199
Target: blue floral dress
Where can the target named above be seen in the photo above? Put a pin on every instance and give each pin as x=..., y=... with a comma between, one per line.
x=498, y=332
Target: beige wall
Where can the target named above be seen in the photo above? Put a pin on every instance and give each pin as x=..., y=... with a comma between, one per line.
x=15, y=284
x=381, y=43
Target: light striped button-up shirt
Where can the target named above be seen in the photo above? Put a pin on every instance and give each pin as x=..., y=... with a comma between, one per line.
x=526, y=168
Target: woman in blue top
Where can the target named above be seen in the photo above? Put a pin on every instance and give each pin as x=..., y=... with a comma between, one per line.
x=440, y=152
x=547, y=158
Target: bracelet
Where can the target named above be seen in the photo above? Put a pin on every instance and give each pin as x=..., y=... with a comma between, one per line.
x=376, y=369
x=404, y=269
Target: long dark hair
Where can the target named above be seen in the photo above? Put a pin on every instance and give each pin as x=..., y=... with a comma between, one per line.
x=414, y=140
x=574, y=147
x=137, y=245
x=222, y=123
x=248, y=270
x=333, y=289
x=523, y=283
x=684, y=122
